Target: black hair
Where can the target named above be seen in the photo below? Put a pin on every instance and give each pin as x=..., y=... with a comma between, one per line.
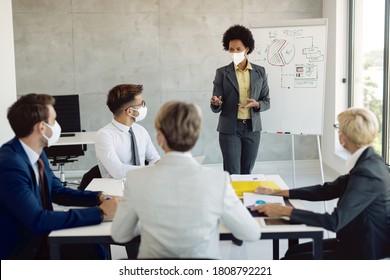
x=238, y=32
x=121, y=95
x=27, y=111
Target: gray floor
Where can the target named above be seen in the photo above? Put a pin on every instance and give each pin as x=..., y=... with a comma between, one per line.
x=262, y=249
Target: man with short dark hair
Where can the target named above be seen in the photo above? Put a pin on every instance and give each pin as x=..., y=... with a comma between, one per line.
x=123, y=144
x=28, y=188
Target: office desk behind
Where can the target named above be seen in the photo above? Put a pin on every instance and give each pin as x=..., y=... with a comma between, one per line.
x=102, y=233
x=79, y=138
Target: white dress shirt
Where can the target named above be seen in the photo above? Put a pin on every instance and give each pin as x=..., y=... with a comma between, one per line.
x=33, y=158
x=113, y=149
x=179, y=205
x=351, y=161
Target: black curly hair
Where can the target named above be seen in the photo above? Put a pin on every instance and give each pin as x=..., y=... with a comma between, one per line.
x=238, y=32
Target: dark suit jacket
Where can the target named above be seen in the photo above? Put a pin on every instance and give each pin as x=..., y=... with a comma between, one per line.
x=24, y=222
x=362, y=217
x=226, y=85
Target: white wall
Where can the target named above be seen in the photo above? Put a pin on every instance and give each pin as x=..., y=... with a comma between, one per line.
x=172, y=47
x=7, y=68
x=336, y=92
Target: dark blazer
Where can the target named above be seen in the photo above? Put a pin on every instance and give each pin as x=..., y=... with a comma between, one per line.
x=226, y=85
x=362, y=217
x=24, y=222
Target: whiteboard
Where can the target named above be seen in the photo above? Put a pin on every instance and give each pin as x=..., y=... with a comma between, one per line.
x=293, y=54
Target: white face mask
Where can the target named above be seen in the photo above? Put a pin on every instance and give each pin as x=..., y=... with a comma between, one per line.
x=238, y=57
x=55, y=133
x=141, y=113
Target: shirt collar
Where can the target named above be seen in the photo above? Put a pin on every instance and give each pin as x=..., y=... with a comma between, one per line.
x=248, y=66
x=183, y=154
x=31, y=154
x=120, y=126
x=351, y=162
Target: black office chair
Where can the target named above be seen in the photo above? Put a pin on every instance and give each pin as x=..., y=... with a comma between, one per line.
x=68, y=116
x=94, y=172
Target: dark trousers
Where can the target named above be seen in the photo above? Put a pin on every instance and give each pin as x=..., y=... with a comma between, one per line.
x=84, y=252
x=38, y=249
x=304, y=251
x=239, y=150
x=132, y=248
x=68, y=252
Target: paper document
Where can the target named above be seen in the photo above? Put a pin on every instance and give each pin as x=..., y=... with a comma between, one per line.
x=247, y=177
x=249, y=186
x=108, y=185
x=250, y=199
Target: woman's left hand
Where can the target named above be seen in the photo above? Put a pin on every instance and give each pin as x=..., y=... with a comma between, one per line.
x=273, y=210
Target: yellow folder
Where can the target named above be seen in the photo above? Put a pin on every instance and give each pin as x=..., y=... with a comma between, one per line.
x=250, y=186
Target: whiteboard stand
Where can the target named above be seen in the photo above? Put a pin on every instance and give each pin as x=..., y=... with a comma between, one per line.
x=293, y=159
x=322, y=175
x=321, y=167
x=319, y=157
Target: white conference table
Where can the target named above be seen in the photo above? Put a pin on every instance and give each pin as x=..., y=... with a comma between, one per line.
x=87, y=137
x=101, y=233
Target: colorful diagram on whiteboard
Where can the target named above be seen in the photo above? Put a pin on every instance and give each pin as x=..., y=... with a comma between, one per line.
x=296, y=56
x=280, y=52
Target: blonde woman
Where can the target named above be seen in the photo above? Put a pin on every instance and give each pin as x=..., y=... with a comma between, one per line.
x=178, y=202
x=361, y=219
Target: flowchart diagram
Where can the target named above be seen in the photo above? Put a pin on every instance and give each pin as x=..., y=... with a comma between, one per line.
x=295, y=55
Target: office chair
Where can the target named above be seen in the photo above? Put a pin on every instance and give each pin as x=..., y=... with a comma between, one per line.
x=68, y=116
x=94, y=172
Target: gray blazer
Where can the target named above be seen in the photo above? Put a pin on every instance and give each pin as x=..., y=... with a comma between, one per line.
x=180, y=204
x=226, y=85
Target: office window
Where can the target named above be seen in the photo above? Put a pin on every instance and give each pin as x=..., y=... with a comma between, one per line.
x=368, y=63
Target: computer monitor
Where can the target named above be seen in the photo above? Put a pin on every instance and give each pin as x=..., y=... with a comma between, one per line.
x=68, y=112
x=68, y=116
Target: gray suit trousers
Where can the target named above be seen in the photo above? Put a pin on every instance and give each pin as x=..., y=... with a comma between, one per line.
x=239, y=150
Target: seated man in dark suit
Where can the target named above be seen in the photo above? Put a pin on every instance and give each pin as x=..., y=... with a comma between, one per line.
x=28, y=187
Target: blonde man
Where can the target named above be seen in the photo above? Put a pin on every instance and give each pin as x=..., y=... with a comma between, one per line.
x=179, y=203
x=361, y=219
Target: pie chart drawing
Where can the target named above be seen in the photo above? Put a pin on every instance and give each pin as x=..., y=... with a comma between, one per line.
x=280, y=52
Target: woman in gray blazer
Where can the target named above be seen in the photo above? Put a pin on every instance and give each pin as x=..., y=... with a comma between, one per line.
x=361, y=219
x=179, y=203
x=240, y=93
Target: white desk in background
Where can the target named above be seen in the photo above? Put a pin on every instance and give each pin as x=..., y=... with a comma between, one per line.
x=102, y=233
x=87, y=137
x=77, y=138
